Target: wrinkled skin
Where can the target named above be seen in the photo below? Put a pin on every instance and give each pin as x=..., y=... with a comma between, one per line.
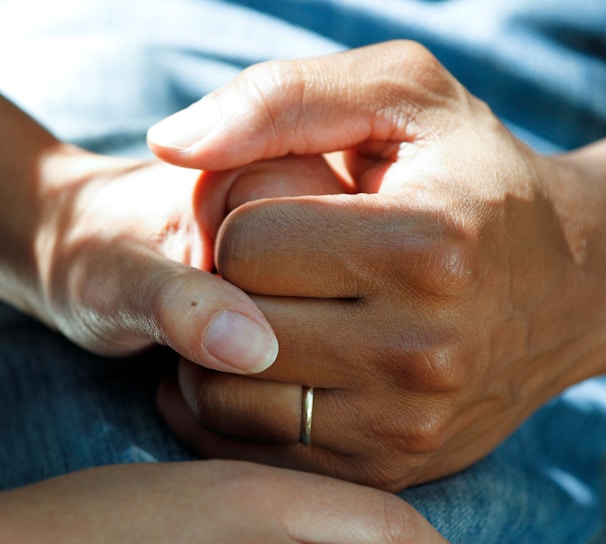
x=433, y=311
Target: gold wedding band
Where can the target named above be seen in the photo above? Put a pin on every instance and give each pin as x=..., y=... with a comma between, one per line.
x=307, y=414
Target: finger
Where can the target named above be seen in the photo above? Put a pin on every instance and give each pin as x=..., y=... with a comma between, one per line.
x=263, y=411
x=213, y=323
x=330, y=343
x=347, y=431
x=218, y=193
x=199, y=315
x=259, y=411
x=288, y=176
x=370, y=346
x=313, y=106
x=327, y=246
x=186, y=424
x=353, y=424
x=346, y=513
x=335, y=449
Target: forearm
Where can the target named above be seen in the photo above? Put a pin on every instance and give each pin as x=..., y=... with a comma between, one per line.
x=95, y=505
x=43, y=193
x=205, y=502
x=27, y=151
x=578, y=195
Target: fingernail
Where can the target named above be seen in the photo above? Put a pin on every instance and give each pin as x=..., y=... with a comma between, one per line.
x=240, y=343
x=186, y=127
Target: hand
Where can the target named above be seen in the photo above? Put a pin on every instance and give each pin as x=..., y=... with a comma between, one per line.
x=433, y=313
x=130, y=264
x=108, y=252
x=116, y=253
x=127, y=266
x=214, y=501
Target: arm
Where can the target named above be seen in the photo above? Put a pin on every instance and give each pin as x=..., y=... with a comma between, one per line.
x=461, y=291
x=214, y=501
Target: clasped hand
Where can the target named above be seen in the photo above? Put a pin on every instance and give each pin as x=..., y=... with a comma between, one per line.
x=448, y=291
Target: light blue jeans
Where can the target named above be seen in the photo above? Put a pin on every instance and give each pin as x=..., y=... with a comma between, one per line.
x=100, y=72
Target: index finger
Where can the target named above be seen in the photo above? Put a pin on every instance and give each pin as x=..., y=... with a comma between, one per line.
x=378, y=94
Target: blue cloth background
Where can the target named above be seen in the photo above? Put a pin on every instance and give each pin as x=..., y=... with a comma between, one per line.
x=100, y=72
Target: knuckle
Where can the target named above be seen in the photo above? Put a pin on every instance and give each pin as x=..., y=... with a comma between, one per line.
x=233, y=236
x=435, y=253
x=454, y=266
x=236, y=240
x=428, y=432
x=427, y=71
x=432, y=356
x=416, y=53
x=427, y=86
x=249, y=234
x=214, y=392
x=214, y=400
x=275, y=89
x=445, y=271
x=417, y=430
x=456, y=258
x=170, y=286
x=437, y=369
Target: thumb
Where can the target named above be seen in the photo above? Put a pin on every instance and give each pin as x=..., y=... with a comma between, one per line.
x=199, y=315
x=212, y=322
x=378, y=94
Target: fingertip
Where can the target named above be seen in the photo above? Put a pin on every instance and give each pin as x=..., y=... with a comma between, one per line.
x=211, y=322
x=239, y=343
x=166, y=154
x=186, y=128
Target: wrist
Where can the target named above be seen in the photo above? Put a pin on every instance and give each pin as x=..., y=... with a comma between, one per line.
x=35, y=170
x=65, y=176
x=24, y=149
x=576, y=187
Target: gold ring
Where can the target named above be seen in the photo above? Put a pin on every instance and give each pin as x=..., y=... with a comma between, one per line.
x=306, y=414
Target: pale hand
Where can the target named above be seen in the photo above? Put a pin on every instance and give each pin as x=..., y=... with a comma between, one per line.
x=212, y=501
x=109, y=252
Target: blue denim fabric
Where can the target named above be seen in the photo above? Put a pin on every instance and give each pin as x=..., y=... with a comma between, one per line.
x=100, y=72
x=63, y=409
